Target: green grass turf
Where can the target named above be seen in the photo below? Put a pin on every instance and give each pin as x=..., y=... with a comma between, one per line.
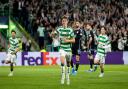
x=48, y=77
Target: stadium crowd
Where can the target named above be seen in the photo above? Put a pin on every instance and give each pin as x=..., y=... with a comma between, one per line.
x=40, y=18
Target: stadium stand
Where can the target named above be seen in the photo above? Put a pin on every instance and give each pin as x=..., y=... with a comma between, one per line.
x=113, y=14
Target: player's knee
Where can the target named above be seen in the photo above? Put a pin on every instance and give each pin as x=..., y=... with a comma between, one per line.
x=90, y=57
x=68, y=57
x=101, y=67
x=96, y=61
x=62, y=59
x=77, y=58
x=62, y=62
x=68, y=63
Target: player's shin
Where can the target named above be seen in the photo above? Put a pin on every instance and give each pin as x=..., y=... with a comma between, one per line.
x=62, y=73
x=77, y=65
x=11, y=69
x=91, y=64
x=96, y=63
x=72, y=65
x=95, y=67
x=68, y=68
x=68, y=72
x=102, y=70
x=63, y=70
x=77, y=62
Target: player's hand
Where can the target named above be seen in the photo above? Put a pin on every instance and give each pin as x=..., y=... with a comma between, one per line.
x=100, y=45
x=66, y=40
x=13, y=53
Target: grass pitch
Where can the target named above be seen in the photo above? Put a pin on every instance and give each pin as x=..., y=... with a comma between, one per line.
x=48, y=77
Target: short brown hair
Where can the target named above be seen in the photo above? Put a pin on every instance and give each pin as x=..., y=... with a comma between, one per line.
x=64, y=17
x=87, y=23
x=103, y=27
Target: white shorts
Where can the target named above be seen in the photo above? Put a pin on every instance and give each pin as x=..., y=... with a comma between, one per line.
x=100, y=58
x=11, y=57
x=64, y=53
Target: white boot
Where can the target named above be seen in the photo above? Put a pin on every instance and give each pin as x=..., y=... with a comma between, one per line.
x=63, y=78
x=68, y=79
x=101, y=75
x=10, y=74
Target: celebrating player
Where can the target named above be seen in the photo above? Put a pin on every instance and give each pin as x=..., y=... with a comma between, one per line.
x=102, y=49
x=66, y=36
x=12, y=50
x=76, y=46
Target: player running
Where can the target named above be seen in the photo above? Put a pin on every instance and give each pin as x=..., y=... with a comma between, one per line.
x=12, y=50
x=66, y=36
x=76, y=47
x=102, y=48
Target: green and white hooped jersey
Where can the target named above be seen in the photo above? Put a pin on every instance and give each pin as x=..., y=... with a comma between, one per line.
x=63, y=34
x=14, y=43
x=103, y=42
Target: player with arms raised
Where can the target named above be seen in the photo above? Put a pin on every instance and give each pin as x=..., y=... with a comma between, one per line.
x=66, y=36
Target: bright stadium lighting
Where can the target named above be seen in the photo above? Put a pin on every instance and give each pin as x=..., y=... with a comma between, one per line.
x=4, y=26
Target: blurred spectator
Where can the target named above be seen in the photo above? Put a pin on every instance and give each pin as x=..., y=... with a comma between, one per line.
x=55, y=42
x=49, y=39
x=20, y=44
x=126, y=45
x=15, y=8
x=125, y=39
x=28, y=45
x=114, y=42
x=113, y=14
x=40, y=31
x=120, y=43
x=24, y=41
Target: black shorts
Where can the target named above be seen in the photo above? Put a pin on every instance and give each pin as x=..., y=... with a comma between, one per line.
x=91, y=52
x=75, y=51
